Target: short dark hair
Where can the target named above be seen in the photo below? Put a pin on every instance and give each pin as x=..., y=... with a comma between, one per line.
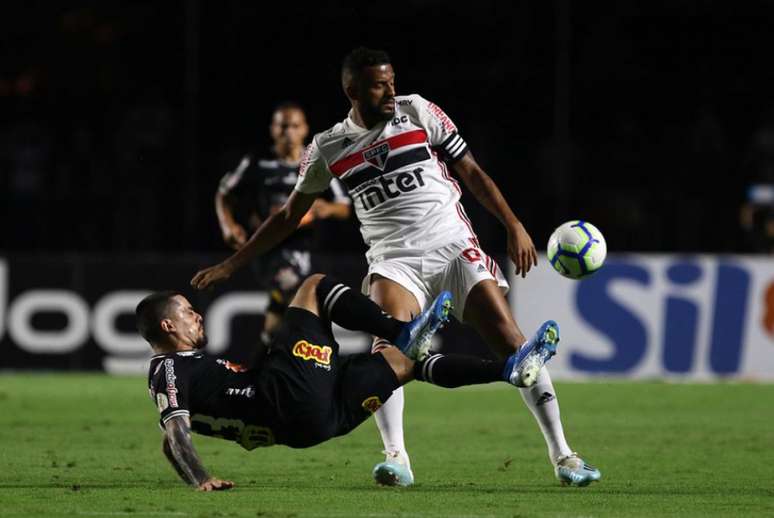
x=288, y=105
x=363, y=57
x=150, y=311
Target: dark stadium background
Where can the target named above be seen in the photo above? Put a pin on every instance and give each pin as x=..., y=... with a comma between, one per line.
x=118, y=118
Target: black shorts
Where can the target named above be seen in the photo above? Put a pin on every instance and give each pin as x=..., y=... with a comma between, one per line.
x=281, y=272
x=319, y=394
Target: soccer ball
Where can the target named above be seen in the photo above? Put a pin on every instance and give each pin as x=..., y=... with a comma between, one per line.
x=577, y=249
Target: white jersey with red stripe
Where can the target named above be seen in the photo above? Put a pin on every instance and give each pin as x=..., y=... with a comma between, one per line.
x=397, y=176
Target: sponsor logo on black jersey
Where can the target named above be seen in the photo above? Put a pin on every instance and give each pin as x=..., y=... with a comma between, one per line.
x=169, y=365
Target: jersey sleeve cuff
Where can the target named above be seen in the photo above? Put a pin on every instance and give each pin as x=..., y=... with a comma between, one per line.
x=176, y=413
x=454, y=147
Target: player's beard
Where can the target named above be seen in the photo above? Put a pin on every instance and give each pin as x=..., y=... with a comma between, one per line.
x=379, y=112
x=386, y=113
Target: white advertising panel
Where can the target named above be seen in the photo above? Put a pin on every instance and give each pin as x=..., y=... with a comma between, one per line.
x=648, y=316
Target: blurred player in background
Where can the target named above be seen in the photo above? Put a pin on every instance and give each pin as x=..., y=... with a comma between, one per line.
x=258, y=188
x=392, y=154
x=303, y=392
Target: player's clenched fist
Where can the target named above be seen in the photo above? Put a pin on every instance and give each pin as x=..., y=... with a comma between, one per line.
x=215, y=484
x=210, y=276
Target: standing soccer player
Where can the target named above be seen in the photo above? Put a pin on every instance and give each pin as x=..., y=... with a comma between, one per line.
x=258, y=188
x=394, y=154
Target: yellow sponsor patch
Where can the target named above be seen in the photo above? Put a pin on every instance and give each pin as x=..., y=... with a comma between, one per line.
x=319, y=353
x=372, y=404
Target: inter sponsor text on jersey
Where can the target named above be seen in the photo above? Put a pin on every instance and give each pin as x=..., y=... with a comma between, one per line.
x=396, y=174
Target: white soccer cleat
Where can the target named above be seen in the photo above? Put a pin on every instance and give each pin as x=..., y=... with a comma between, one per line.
x=394, y=471
x=571, y=470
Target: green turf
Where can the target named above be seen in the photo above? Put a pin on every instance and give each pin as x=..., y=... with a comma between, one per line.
x=88, y=445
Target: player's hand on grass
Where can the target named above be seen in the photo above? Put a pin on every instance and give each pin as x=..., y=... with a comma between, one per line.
x=235, y=236
x=211, y=276
x=215, y=484
x=521, y=250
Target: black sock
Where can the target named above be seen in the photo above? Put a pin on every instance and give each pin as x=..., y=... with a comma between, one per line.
x=456, y=370
x=353, y=310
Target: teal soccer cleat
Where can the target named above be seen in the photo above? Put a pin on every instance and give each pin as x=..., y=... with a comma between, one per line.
x=571, y=470
x=522, y=367
x=416, y=337
x=393, y=472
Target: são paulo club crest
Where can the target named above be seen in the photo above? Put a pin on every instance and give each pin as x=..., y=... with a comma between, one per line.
x=377, y=156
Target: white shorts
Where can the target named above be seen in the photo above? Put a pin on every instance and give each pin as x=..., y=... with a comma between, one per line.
x=456, y=267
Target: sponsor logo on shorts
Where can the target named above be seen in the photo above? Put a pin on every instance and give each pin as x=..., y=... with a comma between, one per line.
x=372, y=404
x=319, y=354
x=248, y=392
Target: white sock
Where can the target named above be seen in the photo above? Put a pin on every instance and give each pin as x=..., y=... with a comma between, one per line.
x=542, y=402
x=389, y=419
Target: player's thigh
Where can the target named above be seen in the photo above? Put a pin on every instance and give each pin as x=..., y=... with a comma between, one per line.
x=397, y=286
x=478, y=289
x=305, y=351
x=366, y=381
x=393, y=298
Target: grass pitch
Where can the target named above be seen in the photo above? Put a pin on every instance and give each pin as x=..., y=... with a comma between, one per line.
x=88, y=445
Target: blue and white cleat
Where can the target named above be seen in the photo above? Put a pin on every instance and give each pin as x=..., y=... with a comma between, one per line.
x=571, y=470
x=416, y=337
x=393, y=471
x=522, y=367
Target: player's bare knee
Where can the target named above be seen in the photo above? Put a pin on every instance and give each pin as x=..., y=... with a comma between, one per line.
x=313, y=281
x=306, y=296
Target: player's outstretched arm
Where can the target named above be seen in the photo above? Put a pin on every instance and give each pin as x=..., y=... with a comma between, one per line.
x=171, y=458
x=179, y=450
x=234, y=234
x=521, y=249
x=323, y=209
x=276, y=228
